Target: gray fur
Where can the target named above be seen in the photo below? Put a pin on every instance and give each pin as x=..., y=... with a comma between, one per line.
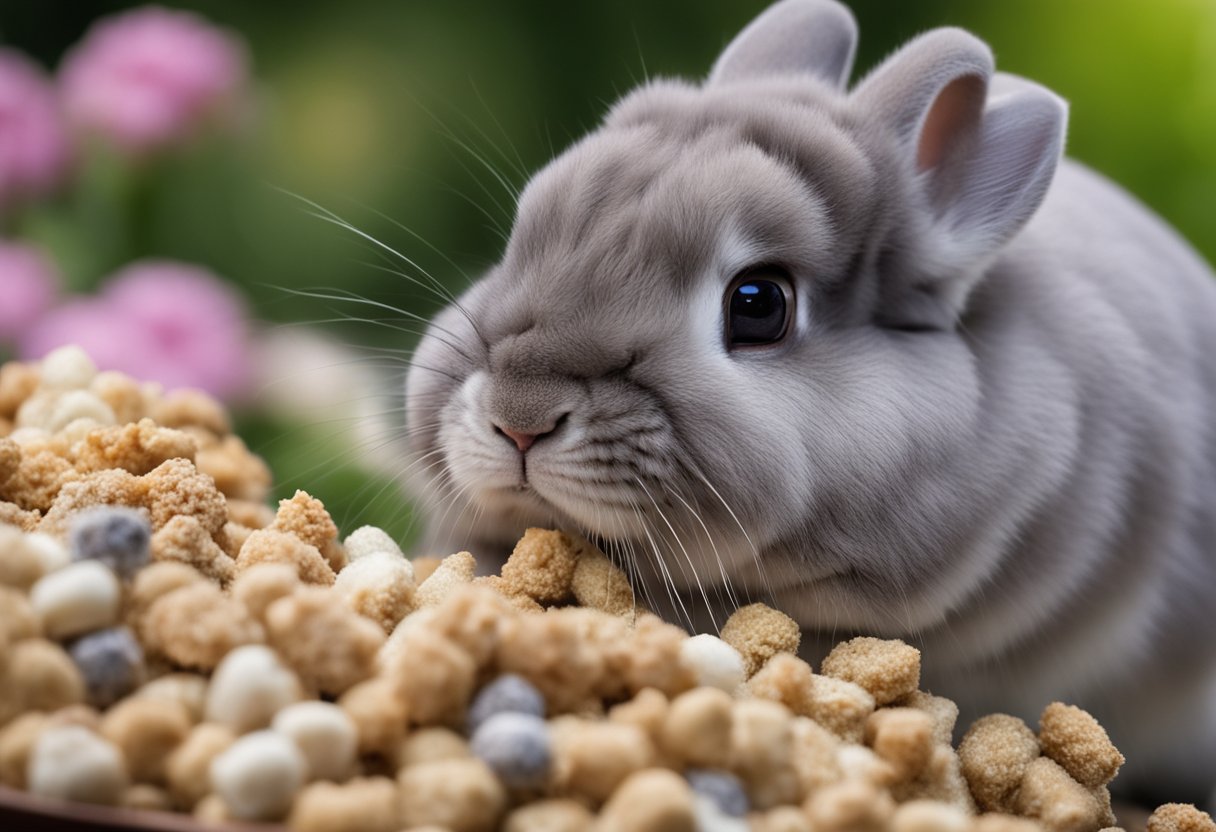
x=990, y=432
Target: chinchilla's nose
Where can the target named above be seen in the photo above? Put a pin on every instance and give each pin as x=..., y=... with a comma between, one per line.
x=525, y=409
x=524, y=440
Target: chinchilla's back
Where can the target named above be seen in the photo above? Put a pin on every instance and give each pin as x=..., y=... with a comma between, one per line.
x=1125, y=313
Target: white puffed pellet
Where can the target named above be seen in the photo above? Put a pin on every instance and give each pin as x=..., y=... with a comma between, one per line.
x=715, y=663
x=79, y=404
x=379, y=585
x=325, y=734
x=367, y=539
x=52, y=554
x=67, y=368
x=70, y=762
x=249, y=687
x=76, y=599
x=78, y=429
x=259, y=775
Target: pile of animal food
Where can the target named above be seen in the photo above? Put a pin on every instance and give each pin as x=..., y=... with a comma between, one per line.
x=169, y=642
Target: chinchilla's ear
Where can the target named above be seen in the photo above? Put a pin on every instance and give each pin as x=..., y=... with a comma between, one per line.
x=986, y=147
x=817, y=37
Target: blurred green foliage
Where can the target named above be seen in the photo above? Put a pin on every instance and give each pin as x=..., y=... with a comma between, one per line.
x=404, y=116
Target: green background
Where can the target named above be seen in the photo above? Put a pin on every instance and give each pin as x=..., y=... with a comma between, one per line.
x=382, y=110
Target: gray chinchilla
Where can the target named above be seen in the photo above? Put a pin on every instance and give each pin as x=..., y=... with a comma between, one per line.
x=875, y=354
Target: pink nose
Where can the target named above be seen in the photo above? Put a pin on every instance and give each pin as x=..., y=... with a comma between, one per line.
x=523, y=441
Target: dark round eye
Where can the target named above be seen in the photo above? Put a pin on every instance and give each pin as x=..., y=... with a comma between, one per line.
x=758, y=305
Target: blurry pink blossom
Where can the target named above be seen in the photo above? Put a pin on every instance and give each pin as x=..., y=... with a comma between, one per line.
x=28, y=284
x=153, y=77
x=34, y=151
x=157, y=320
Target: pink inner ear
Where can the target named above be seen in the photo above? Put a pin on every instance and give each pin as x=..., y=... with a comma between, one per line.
x=954, y=112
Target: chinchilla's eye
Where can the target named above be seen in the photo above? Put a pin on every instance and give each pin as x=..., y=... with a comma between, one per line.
x=758, y=306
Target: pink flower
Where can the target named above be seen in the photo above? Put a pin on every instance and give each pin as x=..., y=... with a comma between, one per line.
x=33, y=148
x=150, y=78
x=157, y=320
x=28, y=284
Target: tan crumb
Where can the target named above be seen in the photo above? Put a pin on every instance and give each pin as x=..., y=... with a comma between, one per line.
x=328, y=645
x=648, y=711
x=362, y=805
x=17, y=383
x=549, y=650
x=996, y=753
x=857, y=762
x=762, y=748
x=652, y=800
x=274, y=546
x=379, y=586
x=591, y=757
x=903, y=737
x=472, y=617
x=137, y=448
x=10, y=460
x=191, y=408
x=541, y=566
x=929, y=816
x=815, y=750
x=379, y=713
x=1076, y=741
x=781, y=819
x=197, y=625
x=850, y=806
x=146, y=731
x=697, y=729
x=238, y=473
x=1180, y=817
x=212, y=810
x=176, y=487
x=433, y=675
x=452, y=573
x=652, y=657
x=6, y=426
x=787, y=679
x=1001, y=822
x=759, y=632
x=153, y=581
x=262, y=584
x=125, y=396
x=430, y=745
x=250, y=514
x=521, y=603
x=18, y=620
x=305, y=517
x=232, y=538
x=841, y=707
x=424, y=567
x=1055, y=800
x=599, y=583
x=38, y=480
x=551, y=815
x=186, y=689
x=887, y=668
x=16, y=742
x=12, y=514
x=941, y=780
x=943, y=711
x=38, y=674
x=20, y=566
x=183, y=539
x=458, y=795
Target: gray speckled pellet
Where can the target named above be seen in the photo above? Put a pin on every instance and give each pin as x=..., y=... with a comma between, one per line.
x=722, y=787
x=111, y=662
x=506, y=694
x=116, y=536
x=516, y=748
